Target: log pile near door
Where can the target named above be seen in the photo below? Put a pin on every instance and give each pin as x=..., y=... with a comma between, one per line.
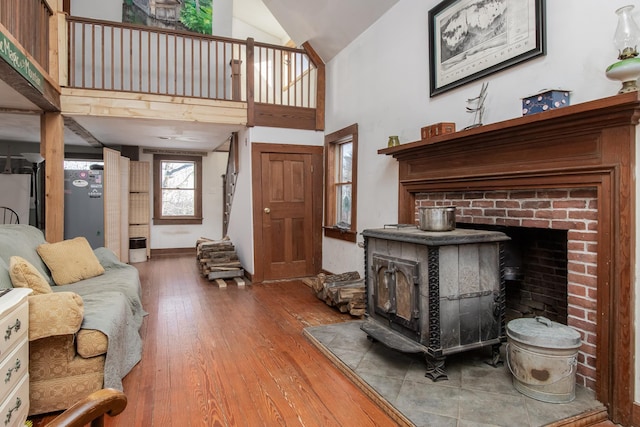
x=218, y=260
x=344, y=291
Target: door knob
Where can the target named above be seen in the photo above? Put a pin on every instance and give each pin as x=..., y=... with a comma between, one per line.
x=267, y=210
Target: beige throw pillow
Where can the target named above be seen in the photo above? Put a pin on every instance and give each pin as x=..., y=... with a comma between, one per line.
x=24, y=275
x=70, y=260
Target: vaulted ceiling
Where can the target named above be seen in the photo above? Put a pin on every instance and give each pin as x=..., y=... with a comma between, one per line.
x=328, y=25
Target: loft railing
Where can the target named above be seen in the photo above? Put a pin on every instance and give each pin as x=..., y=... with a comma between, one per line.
x=284, y=76
x=28, y=22
x=123, y=57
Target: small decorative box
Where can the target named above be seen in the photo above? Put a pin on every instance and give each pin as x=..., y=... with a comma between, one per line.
x=437, y=129
x=549, y=99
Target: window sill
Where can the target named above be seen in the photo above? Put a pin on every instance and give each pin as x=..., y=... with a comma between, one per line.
x=341, y=234
x=176, y=221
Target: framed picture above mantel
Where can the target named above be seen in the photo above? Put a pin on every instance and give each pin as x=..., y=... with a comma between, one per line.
x=470, y=39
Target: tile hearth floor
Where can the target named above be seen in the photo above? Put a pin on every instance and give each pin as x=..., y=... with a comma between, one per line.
x=475, y=395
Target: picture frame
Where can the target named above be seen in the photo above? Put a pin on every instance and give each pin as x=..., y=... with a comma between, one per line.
x=505, y=33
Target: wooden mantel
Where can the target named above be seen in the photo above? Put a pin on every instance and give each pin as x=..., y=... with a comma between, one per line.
x=586, y=145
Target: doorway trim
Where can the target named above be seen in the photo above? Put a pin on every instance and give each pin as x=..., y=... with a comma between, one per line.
x=316, y=152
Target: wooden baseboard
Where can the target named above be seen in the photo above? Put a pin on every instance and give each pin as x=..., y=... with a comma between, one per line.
x=173, y=252
x=585, y=419
x=635, y=415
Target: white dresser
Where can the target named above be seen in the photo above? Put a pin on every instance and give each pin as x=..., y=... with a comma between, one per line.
x=14, y=357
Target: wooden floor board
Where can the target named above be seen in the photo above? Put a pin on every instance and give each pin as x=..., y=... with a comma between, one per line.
x=234, y=356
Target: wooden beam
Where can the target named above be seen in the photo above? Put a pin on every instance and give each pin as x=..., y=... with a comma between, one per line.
x=83, y=133
x=52, y=149
x=49, y=99
x=102, y=103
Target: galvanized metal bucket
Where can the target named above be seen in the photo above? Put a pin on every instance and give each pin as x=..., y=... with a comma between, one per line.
x=542, y=356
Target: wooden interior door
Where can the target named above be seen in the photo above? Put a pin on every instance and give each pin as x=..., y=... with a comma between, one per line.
x=287, y=212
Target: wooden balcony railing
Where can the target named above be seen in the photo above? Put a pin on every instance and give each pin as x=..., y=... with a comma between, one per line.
x=284, y=76
x=28, y=22
x=123, y=57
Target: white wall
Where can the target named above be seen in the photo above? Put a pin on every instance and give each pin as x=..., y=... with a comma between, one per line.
x=222, y=22
x=392, y=56
x=98, y=9
x=243, y=30
x=214, y=165
x=241, y=222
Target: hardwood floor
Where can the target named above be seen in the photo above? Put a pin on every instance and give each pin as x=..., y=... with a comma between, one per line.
x=234, y=357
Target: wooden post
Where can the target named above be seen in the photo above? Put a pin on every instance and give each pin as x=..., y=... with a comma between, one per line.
x=236, y=86
x=52, y=149
x=58, y=52
x=320, y=84
x=250, y=88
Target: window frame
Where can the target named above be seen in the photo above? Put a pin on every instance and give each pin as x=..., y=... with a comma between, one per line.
x=158, y=218
x=332, y=144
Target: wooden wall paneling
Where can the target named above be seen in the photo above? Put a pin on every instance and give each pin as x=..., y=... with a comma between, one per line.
x=284, y=116
x=112, y=201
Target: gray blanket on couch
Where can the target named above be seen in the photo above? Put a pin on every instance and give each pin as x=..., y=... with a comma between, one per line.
x=112, y=306
x=109, y=312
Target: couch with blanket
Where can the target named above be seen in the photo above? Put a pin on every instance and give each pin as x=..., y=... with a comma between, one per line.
x=84, y=315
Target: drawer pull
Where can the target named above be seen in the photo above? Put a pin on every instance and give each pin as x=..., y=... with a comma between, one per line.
x=16, y=326
x=16, y=367
x=7, y=420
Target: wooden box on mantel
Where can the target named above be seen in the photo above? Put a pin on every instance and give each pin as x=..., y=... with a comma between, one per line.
x=437, y=129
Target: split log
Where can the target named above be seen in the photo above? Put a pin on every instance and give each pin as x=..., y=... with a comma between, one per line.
x=344, y=291
x=340, y=293
x=325, y=281
x=217, y=260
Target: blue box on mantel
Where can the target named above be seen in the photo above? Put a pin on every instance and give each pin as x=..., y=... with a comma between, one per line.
x=549, y=99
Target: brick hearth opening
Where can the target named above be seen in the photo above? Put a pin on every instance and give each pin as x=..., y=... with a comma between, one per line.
x=573, y=211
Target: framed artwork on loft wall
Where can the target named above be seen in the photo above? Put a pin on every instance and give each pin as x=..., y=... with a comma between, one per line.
x=470, y=39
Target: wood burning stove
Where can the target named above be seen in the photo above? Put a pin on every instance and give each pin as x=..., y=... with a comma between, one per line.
x=435, y=293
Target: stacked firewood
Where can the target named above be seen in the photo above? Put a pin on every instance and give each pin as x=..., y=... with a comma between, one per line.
x=218, y=260
x=345, y=291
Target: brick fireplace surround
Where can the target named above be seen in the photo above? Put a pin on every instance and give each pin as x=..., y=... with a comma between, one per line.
x=568, y=169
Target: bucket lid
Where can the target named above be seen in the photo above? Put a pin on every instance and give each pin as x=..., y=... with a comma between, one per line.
x=542, y=332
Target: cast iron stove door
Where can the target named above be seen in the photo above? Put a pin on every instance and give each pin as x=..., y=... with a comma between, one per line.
x=396, y=290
